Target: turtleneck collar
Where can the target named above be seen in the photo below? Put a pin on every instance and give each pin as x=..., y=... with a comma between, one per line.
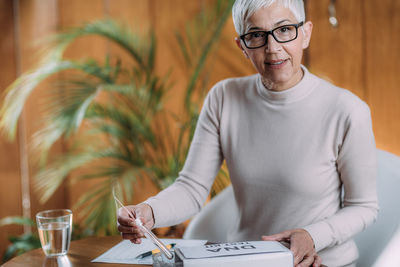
x=296, y=93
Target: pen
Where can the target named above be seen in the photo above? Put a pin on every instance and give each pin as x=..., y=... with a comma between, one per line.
x=149, y=253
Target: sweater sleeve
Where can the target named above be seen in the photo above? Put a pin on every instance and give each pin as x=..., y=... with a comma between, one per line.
x=357, y=167
x=185, y=197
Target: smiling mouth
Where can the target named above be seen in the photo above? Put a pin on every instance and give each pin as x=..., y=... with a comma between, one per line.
x=276, y=62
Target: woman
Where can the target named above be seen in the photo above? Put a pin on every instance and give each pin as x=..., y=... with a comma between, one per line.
x=291, y=141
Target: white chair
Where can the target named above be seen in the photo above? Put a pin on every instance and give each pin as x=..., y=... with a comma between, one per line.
x=375, y=244
x=375, y=240
x=216, y=218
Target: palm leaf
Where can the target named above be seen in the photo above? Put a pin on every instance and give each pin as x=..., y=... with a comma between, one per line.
x=17, y=220
x=99, y=209
x=18, y=92
x=20, y=245
x=51, y=177
x=112, y=31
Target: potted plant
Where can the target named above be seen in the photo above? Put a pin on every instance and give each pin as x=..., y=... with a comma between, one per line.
x=111, y=114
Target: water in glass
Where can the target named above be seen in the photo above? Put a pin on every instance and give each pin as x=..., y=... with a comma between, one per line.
x=55, y=238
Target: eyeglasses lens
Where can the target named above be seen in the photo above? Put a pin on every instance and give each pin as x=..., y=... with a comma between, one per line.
x=281, y=34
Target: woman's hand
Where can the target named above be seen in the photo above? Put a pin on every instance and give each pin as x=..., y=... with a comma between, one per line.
x=127, y=226
x=301, y=245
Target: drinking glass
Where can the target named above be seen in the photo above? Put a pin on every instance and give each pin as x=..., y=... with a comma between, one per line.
x=55, y=227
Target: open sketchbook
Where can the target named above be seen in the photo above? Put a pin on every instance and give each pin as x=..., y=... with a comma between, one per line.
x=126, y=252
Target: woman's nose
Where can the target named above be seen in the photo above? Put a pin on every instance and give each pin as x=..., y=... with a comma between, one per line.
x=272, y=45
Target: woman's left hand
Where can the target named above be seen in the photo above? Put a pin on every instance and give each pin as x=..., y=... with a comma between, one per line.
x=301, y=245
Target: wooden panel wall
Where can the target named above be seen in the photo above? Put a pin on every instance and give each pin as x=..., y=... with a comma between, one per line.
x=10, y=183
x=36, y=20
x=25, y=23
x=382, y=64
x=73, y=13
x=336, y=54
x=361, y=55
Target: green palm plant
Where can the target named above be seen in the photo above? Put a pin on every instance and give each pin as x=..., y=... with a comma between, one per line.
x=23, y=243
x=111, y=114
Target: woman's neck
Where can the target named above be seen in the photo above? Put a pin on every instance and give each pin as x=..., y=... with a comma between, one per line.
x=270, y=85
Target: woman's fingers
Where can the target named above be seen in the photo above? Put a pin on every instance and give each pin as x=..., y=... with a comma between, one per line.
x=127, y=225
x=306, y=262
x=317, y=261
x=145, y=213
x=128, y=229
x=283, y=236
x=136, y=241
x=301, y=245
x=124, y=218
x=131, y=236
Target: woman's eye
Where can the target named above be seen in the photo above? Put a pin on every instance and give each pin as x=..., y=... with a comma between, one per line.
x=284, y=29
x=257, y=35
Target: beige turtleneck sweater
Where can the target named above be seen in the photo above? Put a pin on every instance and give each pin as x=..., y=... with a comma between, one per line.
x=288, y=155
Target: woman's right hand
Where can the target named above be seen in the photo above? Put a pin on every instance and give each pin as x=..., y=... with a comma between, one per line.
x=301, y=245
x=127, y=226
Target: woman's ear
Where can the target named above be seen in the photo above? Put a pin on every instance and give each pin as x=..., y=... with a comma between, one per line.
x=239, y=44
x=307, y=30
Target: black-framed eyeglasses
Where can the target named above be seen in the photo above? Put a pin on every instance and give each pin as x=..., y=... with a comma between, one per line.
x=281, y=34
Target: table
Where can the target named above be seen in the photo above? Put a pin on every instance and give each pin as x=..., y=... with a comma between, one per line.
x=80, y=253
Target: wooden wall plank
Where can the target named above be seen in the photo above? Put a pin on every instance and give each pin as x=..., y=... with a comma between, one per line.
x=9, y=160
x=74, y=13
x=169, y=17
x=138, y=16
x=10, y=182
x=229, y=60
x=382, y=41
x=37, y=20
x=362, y=55
x=336, y=54
x=133, y=14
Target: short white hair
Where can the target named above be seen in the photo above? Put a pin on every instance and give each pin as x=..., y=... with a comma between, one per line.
x=242, y=10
